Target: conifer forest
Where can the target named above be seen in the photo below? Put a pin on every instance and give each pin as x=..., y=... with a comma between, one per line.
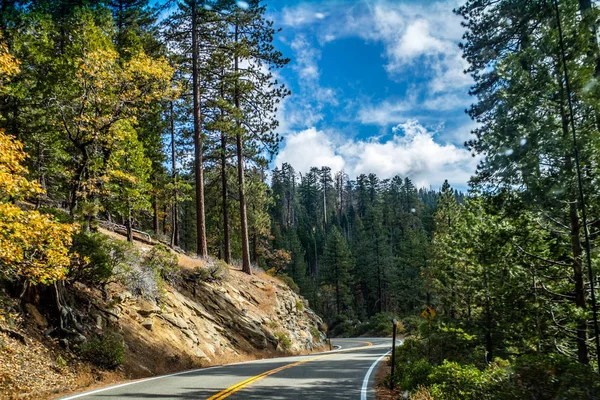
x=160, y=120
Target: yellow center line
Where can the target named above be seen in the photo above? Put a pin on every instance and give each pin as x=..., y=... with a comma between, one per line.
x=239, y=386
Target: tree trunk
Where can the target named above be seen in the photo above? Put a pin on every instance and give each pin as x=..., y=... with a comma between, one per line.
x=201, y=247
x=164, y=220
x=129, y=224
x=582, y=348
x=40, y=173
x=254, y=247
x=155, y=220
x=575, y=230
x=379, y=283
x=225, y=196
x=76, y=183
x=241, y=180
x=175, y=216
x=337, y=286
x=324, y=204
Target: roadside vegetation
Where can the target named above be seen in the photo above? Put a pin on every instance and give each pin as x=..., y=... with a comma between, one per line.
x=508, y=269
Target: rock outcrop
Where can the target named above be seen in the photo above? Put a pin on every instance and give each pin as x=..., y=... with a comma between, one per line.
x=199, y=323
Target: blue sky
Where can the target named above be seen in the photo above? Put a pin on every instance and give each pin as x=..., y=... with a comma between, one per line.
x=377, y=86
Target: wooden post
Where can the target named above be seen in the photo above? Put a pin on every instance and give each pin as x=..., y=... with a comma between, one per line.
x=393, y=354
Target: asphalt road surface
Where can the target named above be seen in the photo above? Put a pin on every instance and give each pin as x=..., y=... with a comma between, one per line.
x=345, y=373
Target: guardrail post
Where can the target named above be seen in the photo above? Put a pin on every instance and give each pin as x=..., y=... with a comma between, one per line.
x=393, y=354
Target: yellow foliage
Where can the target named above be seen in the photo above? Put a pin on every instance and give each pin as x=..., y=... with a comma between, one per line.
x=108, y=95
x=32, y=245
x=8, y=64
x=13, y=184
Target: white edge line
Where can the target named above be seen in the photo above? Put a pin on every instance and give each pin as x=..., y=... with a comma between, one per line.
x=365, y=385
x=88, y=393
x=104, y=389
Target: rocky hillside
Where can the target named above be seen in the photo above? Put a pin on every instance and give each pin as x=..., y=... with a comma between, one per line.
x=200, y=320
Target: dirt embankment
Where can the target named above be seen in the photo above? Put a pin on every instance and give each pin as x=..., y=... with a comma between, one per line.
x=194, y=324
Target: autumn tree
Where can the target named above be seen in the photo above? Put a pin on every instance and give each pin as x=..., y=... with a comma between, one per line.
x=103, y=92
x=33, y=247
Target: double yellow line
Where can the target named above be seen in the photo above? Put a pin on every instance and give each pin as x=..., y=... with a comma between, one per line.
x=239, y=386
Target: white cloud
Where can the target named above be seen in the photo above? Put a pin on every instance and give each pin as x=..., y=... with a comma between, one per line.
x=411, y=152
x=445, y=101
x=426, y=35
x=383, y=114
x=302, y=14
x=459, y=134
x=292, y=114
x=416, y=41
x=309, y=148
x=306, y=58
x=450, y=76
x=391, y=112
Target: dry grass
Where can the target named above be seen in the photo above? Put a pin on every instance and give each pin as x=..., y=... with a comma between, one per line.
x=188, y=263
x=29, y=370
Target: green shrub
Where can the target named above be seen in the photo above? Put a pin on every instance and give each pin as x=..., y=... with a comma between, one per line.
x=422, y=393
x=413, y=374
x=100, y=256
x=272, y=324
x=289, y=282
x=412, y=367
x=381, y=324
x=106, y=351
x=454, y=381
x=201, y=274
x=452, y=344
x=104, y=259
x=283, y=340
x=59, y=215
x=164, y=263
x=315, y=333
x=553, y=376
x=412, y=323
x=61, y=363
x=299, y=305
x=217, y=270
x=343, y=329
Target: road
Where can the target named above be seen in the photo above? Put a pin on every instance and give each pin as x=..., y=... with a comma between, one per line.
x=345, y=373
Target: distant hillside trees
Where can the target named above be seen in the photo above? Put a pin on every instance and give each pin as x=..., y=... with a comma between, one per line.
x=358, y=247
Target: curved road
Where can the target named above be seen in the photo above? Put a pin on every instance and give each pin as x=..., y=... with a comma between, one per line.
x=345, y=373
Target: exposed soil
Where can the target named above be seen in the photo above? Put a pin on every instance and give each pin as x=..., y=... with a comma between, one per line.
x=382, y=385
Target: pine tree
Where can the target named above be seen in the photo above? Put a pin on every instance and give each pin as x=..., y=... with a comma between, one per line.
x=255, y=93
x=522, y=107
x=337, y=263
